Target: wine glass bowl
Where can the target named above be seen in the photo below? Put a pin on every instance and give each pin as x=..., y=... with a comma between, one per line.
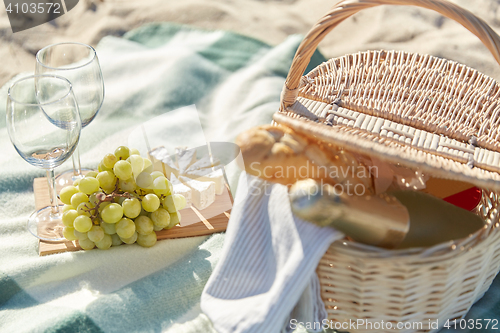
x=44, y=126
x=54, y=117
x=80, y=65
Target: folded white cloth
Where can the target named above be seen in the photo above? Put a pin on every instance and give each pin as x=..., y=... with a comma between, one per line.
x=309, y=309
x=268, y=263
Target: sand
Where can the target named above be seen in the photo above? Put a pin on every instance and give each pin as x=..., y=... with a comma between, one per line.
x=387, y=27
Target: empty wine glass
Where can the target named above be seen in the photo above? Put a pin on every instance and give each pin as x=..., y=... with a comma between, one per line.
x=79, y=64
x=44, y=126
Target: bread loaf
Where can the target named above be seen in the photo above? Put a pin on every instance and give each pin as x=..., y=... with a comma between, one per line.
x=278, y=154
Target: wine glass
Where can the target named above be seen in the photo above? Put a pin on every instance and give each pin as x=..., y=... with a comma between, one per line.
x=44, y=126
x=79, y=64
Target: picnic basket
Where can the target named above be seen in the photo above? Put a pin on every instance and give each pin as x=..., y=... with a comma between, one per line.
x=421, y=112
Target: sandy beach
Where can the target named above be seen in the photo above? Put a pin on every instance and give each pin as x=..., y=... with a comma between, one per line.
x=388, y=27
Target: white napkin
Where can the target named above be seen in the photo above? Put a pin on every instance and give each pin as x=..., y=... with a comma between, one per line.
x=268, y=263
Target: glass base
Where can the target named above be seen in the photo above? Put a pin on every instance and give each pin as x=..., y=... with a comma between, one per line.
x=45, y=226
x=68, y=177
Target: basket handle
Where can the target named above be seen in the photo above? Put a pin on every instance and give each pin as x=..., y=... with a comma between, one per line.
x=346, y=8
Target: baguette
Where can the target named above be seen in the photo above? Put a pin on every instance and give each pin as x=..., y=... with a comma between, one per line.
x=279, y=154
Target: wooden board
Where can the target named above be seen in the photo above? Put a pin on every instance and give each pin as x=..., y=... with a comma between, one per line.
x=208, y=221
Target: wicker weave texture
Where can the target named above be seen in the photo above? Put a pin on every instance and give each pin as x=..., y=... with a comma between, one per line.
x=426, y=113
x=421, y=91
x=394, y=131
x=446, y=112
x=411, y=286
x=391, y=150
x=347, y=8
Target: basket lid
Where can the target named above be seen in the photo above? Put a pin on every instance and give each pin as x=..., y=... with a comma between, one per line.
x=419, y=111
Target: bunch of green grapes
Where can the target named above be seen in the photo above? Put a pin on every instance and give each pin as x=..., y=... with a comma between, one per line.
x=125, y=202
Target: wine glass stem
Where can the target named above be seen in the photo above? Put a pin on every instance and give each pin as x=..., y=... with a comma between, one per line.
x=77, y=165
x=54, y=204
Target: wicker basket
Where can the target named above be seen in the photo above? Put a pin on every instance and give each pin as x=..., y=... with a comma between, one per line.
x=421, y=112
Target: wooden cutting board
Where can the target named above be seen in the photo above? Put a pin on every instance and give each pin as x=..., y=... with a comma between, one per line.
x=205, y=222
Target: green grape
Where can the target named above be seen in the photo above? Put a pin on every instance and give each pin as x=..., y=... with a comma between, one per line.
x=92, y=174
x=119, y=200
x=137, y=163
x=143, y=212
x=128, y=185
x=69, y=233
x=102, y=206
x=66, y=193
x=144, y=180
x=146, y=191
x=148, y=165
x=179, y=201
x=80, y=235
x=130, y=240
x=146, y=240
x=116, y=240
x=109, y=161
x=84, y=209
x=65, y=208
x=82, y=223
x=134, y=151
x=105, y=243
x=109, y=228
x=131, y=208
x=169, y=204
x=88, y=185
x=93, y=198
x=96, y=233
x=101, y=167
x=122, y=153
x=86, y=244
x=143, y=225
x=161, y=186
x=123, y=170
x=76, y=182
x=78, y=198
x=156, y=228
x=112, y=213
x=125, y=228
x=156, y=174
x=174, y=220
x=134, y=195
x=150, y=202
x=69, y=217
x=108, y=190
x=107, y=179
x=160, y=218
